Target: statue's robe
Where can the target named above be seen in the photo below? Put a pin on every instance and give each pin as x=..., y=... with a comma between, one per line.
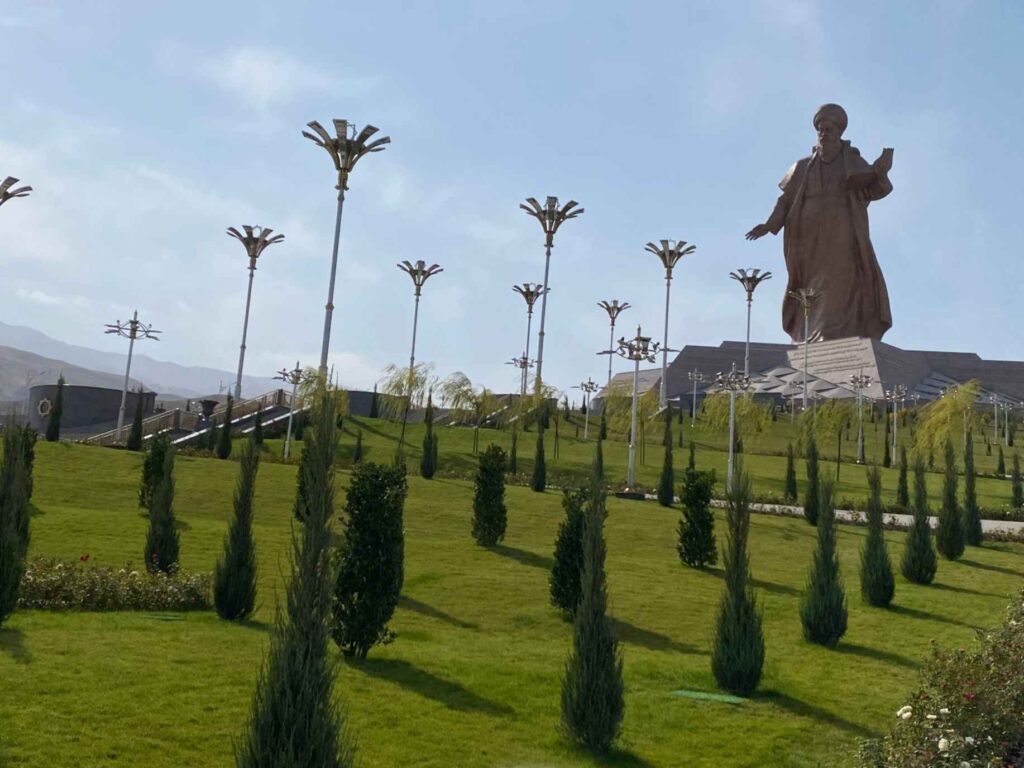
x=824, y=209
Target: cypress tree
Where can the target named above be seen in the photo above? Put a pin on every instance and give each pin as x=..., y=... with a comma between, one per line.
x=1015, y=480
x=234, y=578
x=598, y=466
x=666, y=494
x=257, y=429
x=696, y=530
x=357, y=454
x=162, y=542
x=295, y=720
x=1001, y=464
x=427, y=460
x=812, y=497
x=603, y=433
x=692, y=461
x=489, y=514
x=16, y=482
x=26, y=446
x=972, y=513
x=370, y=559
x=887, y=456
x=592, y=688
x=823, y=606
x=564, y=582
x=152, y=469
x=56, y=412
x=877, y=584
x=512, y=458
x=538, y=482
x=902, y=493
x=299, y=505
x=134, y=442
x=224, y=436
x=374, y=405
x=737, y=655
x=790, y=492
x=13, y=528
x=919, y=562
x=949, y=537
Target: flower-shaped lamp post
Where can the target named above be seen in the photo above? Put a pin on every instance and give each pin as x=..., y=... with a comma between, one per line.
x=734, y=382
x=345, y=149
x=995, y=417
x=255, y=240
x=669, y=252
x=293, y=377
x=613, y=308
x=550, y=217
x=420, y=273
x=860, y=382
x=589, y=387
x=807, y=297
x=697, y=378
x=749, y=280
x=896, y=395
x=530, y=293
x=8, y=190
x=130, y=329
x=635, y=349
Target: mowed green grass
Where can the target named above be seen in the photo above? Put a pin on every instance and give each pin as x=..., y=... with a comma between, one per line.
x=473, y=676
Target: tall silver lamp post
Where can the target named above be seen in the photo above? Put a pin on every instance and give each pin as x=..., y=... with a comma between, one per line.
x=749, y=281
x=293, y=377
x=420, y=273
x=669, y=252
x=345, y=150
x=697, y=378
x=589, y=387
x=255, y=240
x=635, y=349
x=613, y=308
x=9, y=192
x=860, y=382
x=896, y=395
x=734, y=382
x=530, y=293
x=550, y=217
x=130, y=329
x=807, y=298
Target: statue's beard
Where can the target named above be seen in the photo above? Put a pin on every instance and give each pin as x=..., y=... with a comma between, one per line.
x=828, y=149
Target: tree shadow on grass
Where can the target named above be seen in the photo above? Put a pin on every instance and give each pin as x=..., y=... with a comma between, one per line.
x=434, y=613
x=804, y=709
x=992, y=568
x=430, y=686
x=966, y=591
x=916, y=613
x=646, y=638
x=525, y=557
x=12, y=641
x=767, y=586
x=887, y=657
x=617, y=757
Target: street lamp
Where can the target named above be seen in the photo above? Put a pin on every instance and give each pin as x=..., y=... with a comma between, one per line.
x=697, y=378
x=734, y=381
x=807, y=298
x=293, y=377
x=550, y=217
x=420, y=273
x=130, y=329
x=860, y=382
x=613, y=308
x=7, y=193
x=530, y=293
x=635, y=349
x=670, y=252
x=345, y=150
x=895, y=396
x=589, y=386
x=749, y=282
x=255, y=240
x=995, y=418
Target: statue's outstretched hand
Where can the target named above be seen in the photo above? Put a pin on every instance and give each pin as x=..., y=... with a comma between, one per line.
x=759, y=231
x=884, y=162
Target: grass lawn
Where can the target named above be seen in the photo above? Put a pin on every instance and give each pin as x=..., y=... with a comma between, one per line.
x=473, y=676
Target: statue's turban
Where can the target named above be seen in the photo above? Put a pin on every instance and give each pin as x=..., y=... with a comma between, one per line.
x=832, y=112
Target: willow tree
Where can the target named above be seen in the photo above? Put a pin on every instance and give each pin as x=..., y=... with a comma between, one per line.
x=950, y=417
x=751, y=417
x=403, y=389
x=468, y=403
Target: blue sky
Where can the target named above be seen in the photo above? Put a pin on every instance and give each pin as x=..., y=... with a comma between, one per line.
x=147, y=129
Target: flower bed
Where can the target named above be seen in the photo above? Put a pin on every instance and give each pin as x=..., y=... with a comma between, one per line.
x=969, y=710
x=54, y=585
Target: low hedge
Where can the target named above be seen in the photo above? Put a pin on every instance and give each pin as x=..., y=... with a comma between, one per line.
x=55, y=585
x=969, y=710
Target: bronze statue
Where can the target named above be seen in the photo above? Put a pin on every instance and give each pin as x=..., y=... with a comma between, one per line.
x=824, y=208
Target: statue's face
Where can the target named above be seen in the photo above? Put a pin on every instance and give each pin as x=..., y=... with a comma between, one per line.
x=828, y=136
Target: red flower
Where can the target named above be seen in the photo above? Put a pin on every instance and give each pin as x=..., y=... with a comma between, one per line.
x=969, y=695
x=84, y=557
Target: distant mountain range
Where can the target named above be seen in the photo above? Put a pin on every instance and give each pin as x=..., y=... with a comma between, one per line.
x=28, y=357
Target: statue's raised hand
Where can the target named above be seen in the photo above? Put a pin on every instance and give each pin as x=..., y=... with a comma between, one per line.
x=884, y=162
x=759, y=231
